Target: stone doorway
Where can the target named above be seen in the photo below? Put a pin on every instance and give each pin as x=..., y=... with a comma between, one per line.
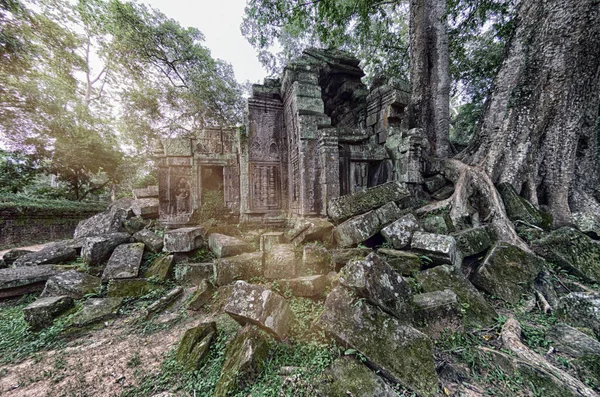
x=212, y=185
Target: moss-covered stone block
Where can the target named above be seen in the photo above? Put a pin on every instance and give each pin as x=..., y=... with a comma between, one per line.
x=202, y=296
x=161, y=268
x=473, y=241
x=132, y=287
x=97, y=309
x=508, y=272
x=477, y=312
x=573, y=251
x=519, y=209
x=437, y=223
x=194, y=345
x=403, y=262
x=244, y=360
x=348, y=377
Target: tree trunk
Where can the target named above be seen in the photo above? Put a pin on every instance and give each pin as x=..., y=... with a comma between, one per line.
x=429, y=74
x=538, y=131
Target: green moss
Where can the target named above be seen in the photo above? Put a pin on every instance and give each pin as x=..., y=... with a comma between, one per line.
x=194, y=345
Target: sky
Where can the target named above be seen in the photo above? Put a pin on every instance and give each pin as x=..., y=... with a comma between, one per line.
x=219, y=21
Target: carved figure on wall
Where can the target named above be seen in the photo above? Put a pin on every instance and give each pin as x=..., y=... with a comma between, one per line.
x=182, y=196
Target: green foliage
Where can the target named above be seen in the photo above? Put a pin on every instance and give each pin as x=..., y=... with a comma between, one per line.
x=17, y=170
x=24, y=203
x=212, y=207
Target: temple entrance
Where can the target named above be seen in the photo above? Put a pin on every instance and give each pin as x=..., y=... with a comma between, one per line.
x=211, y=178
x=212, y=195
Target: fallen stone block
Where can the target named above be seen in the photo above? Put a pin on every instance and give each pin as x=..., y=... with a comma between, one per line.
x=357, y=229
x=403, y=262
x=98, y=249
x=400, y=352
x=71, y=283
x=241, y=267
x=51, y=254
x=316, y=259
x=223, y=246
x=194, y=345
x=508, y=272
x=184, y=239
x=437, y=223
x=97, y=309
x=580, y=309
x=146, y=208
x=151, y=240
x=146, y=192
x=281, y=262
x=106, y=222
x=42, y=312
x=130, y=287
x=569, y=340
x=305, y=286
x=573, y=251
x=519, y=209
x=340, y=257
x=473, y=241
x=164, y=301
x=345, y=207
x=307, y=230
x=376, y=281
x=135, y=224
x=437, y=312
x=124, y=262
x=192, y=274
x=399, y=233
x=440, y=249
x=348, y=377
x=477, y=312
x=25, y=280
x=11, y=256
x=161, y=268
x=434, y=183
x=267, y=240
x=202, y=296
x=257, y=305
x=245, y=359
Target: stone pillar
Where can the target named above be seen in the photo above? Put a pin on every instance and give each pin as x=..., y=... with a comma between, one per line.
x=329, y=157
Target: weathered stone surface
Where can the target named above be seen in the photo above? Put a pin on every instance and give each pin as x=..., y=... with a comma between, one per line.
x=3, y=264
x=438, y=223
x=110, y=221
x=98, y=249
x=151, y=240
x=519, y=209
x=145, y=192
x=257, y=305
x=135, y=224
x=588, y=223
x=202, y=296
x=477, y=312
x=348, y=377
x=281, y=262
x=184, y=239
x=223, y=246
x=444, y=193
x=307, y=230
x=439, y=248
x=42, y=312
x=130, y=287
x=573, y=251
x=388, y=213
x=588, y=368
x=146, y=208
x=11, y=256
x=403, y=262
x=434, y=183
x=346, y=207
x=473, y=241
x=267, y=240
x=194, y=345
x=97, y=309
x=164, y=301
x=375, y=280
x=124, y=262
x=399, y=233
x=316, y=259
x=191, y=274
x=341, y=256
x=357, y=229
x=507, y=272
x=305, y=286
x=71, y=283
x=161, y=267
x=53, y=253
x=437, y=311
x=24, y=280
x=400, y=352
x=569, y=340
x=245, y=358
x=581, y=309
x=241, y=267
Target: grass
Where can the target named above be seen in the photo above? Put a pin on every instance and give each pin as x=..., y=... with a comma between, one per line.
x=22, y=203
x=18, y=342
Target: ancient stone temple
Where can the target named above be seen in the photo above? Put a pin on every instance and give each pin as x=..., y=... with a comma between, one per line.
x=314, y=134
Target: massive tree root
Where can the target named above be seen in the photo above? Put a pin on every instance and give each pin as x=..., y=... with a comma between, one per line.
x=475, y=193
x=511, y=338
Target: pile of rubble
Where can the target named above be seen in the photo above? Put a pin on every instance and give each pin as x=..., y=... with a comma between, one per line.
x=394, y=281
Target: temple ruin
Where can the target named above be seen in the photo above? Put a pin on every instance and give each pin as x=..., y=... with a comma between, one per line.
x=312, y=135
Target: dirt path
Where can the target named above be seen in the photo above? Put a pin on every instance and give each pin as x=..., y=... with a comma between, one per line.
x=36, y=247
x=103, y=362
